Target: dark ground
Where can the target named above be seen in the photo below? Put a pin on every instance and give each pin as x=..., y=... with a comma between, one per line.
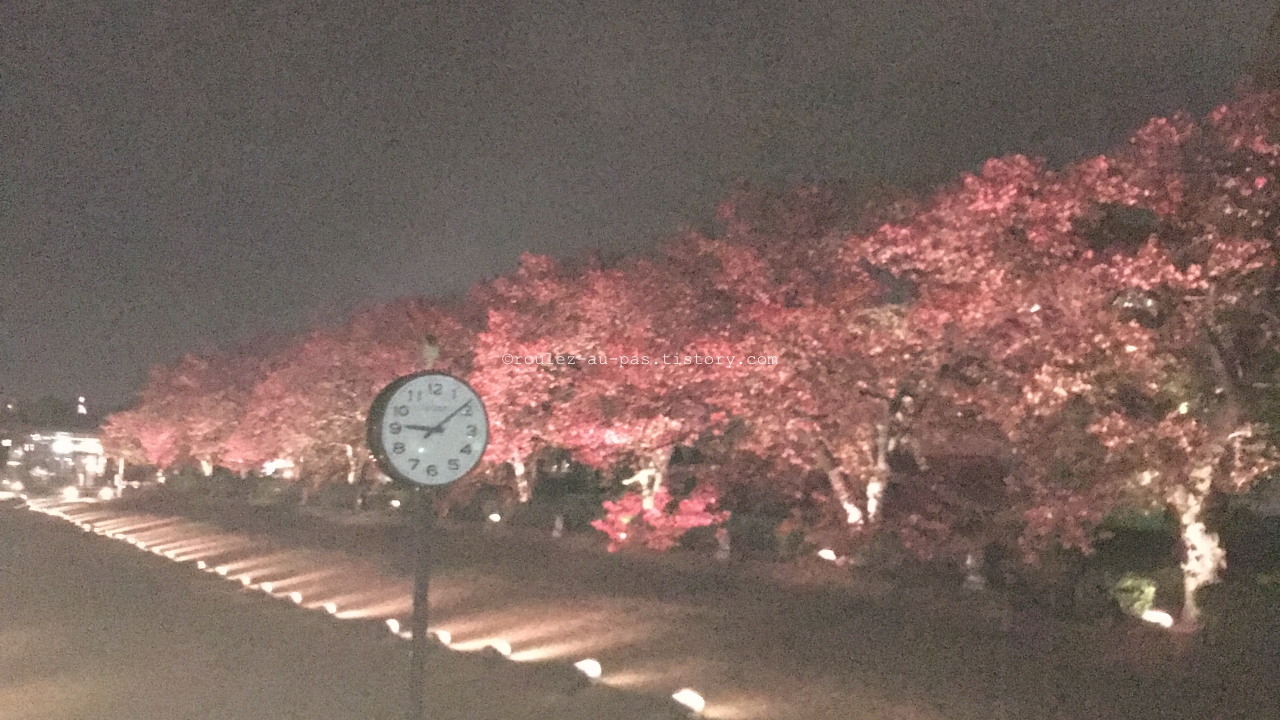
x=825, y=646
x=95, y=630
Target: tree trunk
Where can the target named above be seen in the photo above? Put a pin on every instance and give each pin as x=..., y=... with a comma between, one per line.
x=973, y=566
x=852, y=513
x=650, y=479
x=835, y=476
x=351, y=464
x=522, y=483
x=1205, y=558
x=206, y=468
x=875, y=488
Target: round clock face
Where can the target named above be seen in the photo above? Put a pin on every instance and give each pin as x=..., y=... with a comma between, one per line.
x=428, y=429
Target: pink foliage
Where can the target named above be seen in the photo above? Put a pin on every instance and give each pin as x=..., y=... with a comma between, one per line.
x=629, y=522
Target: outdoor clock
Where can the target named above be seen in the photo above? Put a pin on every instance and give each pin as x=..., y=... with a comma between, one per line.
x=427, y=429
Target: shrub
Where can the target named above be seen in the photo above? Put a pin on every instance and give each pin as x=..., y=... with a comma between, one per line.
x=1134, y=593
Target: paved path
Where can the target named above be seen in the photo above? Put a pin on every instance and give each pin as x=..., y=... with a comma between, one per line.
x=92, y=629
x=757, y=650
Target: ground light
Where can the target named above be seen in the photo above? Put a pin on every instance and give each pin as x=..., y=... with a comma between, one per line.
x=827, y=554
x=589, y=667
x=1158, y=617
x=690, y=699
x=495, y=517
x=687, y=697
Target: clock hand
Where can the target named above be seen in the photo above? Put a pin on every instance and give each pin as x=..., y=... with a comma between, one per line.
x=428, y=428
x=440, y=425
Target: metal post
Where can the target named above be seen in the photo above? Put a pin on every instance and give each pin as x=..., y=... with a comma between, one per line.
x=421, y=580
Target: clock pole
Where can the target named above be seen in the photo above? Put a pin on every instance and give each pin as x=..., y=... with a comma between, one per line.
x=424, y=510
x=425, y=430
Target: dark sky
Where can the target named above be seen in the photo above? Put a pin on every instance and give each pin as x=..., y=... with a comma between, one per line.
x=176, y=174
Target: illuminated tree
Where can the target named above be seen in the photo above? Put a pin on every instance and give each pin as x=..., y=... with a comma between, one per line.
x=310, y=408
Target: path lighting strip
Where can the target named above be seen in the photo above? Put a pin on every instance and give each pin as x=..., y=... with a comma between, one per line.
x=589, y=667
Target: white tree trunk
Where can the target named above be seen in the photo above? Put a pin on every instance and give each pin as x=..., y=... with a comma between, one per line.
x=206, y=467
x=853, y=514
x=875, y=488
x=973, y=577
x=1205, y=557
x=522, y=482
x=351, y=464
x=119, y=472
x=650, y=479
x=723, y=548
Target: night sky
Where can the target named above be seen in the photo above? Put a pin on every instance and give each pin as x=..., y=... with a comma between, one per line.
x=183, y=174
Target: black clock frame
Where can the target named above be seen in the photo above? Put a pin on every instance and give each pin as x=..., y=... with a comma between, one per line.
x=378, y=410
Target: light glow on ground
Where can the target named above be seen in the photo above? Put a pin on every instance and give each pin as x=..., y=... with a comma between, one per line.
x=351, y=589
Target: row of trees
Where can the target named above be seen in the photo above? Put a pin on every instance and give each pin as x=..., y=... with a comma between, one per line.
x=1008, y=360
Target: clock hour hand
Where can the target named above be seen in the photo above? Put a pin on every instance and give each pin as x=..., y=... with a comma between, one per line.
x=428, y=428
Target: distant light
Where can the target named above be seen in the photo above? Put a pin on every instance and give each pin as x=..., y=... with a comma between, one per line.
x=296, y=597
x=444, y=637
x=502, y=646
x=70, y=492
x=1184, y=408
x=827, y=554
x=1035, y=308
x=395, y=503
x=201, y=565
x=106, y=493
x=393, y=625
x=63, y=446
x=495, y=517
x=690, y=699
x=589, y=667
x=331, y=608
x=6, y=443
x=266, y=587
x=1158, y=617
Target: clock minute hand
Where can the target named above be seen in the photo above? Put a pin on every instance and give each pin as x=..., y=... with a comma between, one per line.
x=440, y=425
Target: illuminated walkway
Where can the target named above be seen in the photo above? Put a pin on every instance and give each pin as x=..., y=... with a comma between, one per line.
x=743, y=654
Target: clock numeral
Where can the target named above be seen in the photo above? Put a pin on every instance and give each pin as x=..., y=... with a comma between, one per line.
x=432, y=471
x=471, y=431
x=435, y=388
x=402, y=410
x=394, y=428
x=398, y=448
x=466, y=450
x=454, y=464
x=415, y=462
